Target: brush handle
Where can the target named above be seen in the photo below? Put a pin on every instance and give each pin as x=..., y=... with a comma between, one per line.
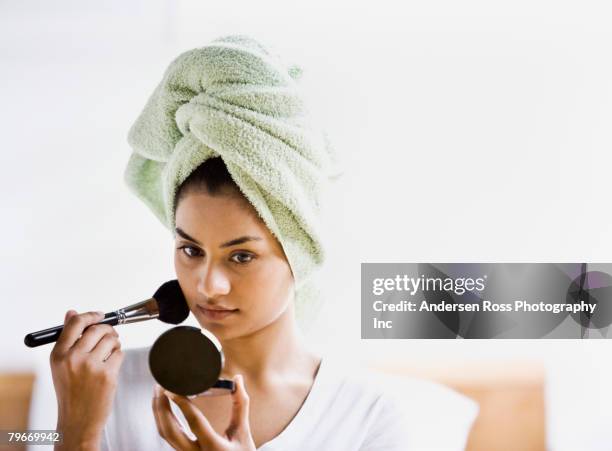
x=43, y=337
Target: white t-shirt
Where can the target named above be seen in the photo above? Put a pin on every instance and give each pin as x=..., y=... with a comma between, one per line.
x=345, y=410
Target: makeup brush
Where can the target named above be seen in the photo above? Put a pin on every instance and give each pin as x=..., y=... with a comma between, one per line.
x=168, y=304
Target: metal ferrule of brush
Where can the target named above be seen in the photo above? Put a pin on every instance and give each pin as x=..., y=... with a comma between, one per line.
x=140, y=311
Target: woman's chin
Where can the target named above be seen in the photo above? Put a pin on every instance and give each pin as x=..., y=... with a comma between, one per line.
x=221, y=329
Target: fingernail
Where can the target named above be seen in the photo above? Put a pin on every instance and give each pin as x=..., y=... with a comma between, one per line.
x=100, y=313
x=160, y=392
x=237, y=383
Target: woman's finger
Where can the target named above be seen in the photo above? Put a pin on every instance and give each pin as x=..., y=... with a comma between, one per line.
x=167, y=424
x=105, y=347
x=113, y=363
x=156, y=405
x=73, y=328
x=69, y=313
x=239, y=428
x=155, y=409
x=198, y=423
x=92, y=335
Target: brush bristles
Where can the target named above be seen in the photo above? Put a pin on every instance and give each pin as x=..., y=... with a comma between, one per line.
x=173, y=308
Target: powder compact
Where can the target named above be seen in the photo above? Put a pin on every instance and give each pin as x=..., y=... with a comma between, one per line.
x=183, y=360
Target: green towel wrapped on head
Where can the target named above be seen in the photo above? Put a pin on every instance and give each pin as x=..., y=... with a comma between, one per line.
x=236, y=99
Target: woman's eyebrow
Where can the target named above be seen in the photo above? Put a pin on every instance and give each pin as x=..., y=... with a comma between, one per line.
x=242, y=239
x=234, y=242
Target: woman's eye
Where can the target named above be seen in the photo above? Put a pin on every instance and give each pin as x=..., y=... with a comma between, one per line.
x=249, y=257
x=187, y=252
x=240, y=257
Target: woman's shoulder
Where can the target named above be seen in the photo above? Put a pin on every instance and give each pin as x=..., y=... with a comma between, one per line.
x=414, y=410
x=366, y=381
x=350, y=387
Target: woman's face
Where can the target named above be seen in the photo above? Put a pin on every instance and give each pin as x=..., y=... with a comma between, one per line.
x=226, y=258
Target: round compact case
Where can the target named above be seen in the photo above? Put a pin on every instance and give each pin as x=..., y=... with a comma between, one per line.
x=185, y=361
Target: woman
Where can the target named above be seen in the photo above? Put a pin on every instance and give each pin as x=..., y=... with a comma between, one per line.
x=227, y=158
x=226, y=259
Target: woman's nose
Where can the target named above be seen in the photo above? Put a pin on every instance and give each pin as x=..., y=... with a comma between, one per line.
x=213, y=282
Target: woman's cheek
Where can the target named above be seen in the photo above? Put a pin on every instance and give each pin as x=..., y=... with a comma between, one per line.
x=179, y=265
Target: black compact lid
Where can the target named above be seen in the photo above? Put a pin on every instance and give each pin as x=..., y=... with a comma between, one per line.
x=185, y=361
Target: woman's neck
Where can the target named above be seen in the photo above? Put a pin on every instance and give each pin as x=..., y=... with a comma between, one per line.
x=274, y=352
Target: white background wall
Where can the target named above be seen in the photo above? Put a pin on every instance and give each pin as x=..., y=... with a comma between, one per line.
x=435, y=106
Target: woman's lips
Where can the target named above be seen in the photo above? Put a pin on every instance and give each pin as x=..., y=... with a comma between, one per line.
x=216, y=314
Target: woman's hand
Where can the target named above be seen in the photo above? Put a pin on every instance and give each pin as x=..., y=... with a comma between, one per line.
x=237, y=435
x=84, y=374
